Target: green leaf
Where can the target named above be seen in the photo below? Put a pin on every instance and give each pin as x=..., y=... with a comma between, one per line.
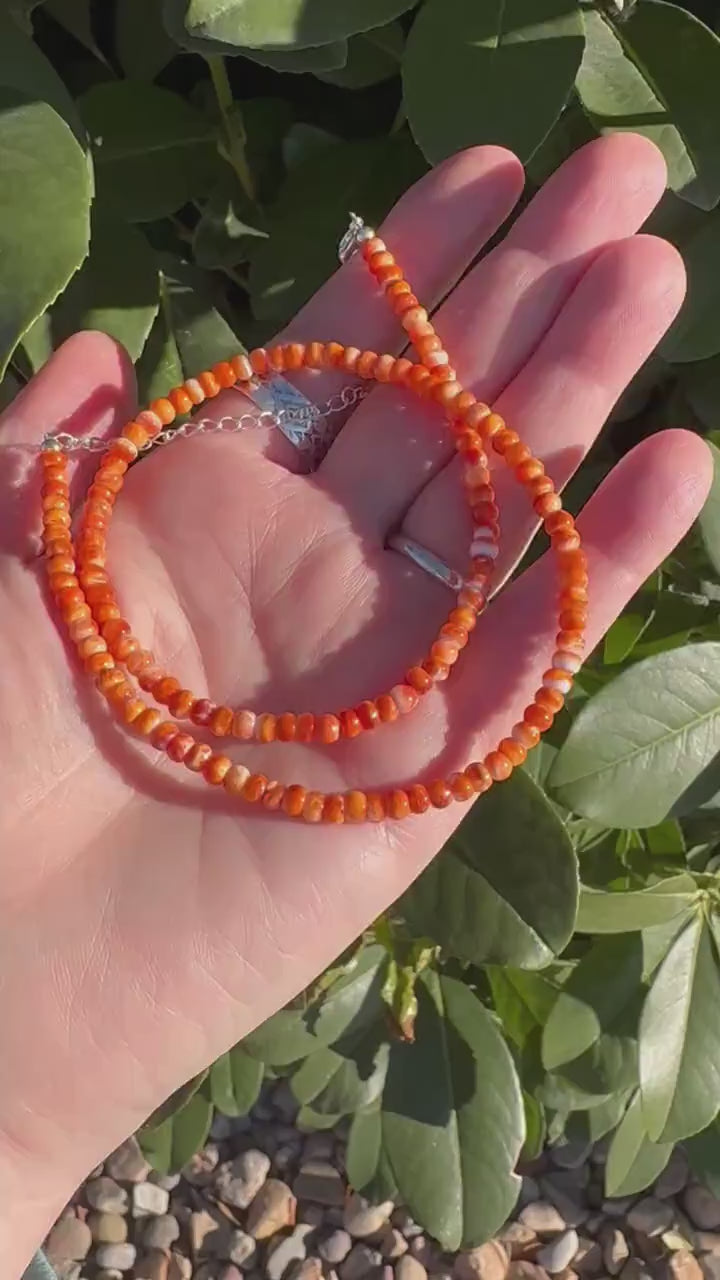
x=176, y=1101
x=455, y=47
x=153, y=152
x=522, y=1000
x=453, y=1117
x=633, y=1161
x=286, y=24
x=327, y=57
x=703, y=1153
x=629, y=909
x=341, y=1083
x=623, y=635
x=367, y=1164
x=504, y=889
x=25, y=69
x=644, y=75
x=570, y=132
x=235, y=1081
x=75, y=17
x=695, y=334
x=169, y=1146
x=309, y=1121
x=701, y=384
x=117, y=290
x=637, y=745
x=680, y=1039
x=593, y=1124
x=709, y=519
x=229, y=226
x=142, y=43
x=44, y=213
x=310, y=214
x=282, y=1039
x=666, y=840
x=605, y=980
x=189, y=333
x=371, y=58
x=535, y=1129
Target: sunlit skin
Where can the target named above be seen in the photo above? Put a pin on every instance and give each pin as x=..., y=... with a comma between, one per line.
x=146, y=924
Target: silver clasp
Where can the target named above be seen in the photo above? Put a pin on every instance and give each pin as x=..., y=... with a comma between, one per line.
x=356, y=233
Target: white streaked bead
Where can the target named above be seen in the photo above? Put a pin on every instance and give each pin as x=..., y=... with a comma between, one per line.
x=240, y=775
x=437, y=358
x=562, y=686
x=149, y=419
x=475, y=474
x=194, y=389
x=483, y=547
x=565, y=660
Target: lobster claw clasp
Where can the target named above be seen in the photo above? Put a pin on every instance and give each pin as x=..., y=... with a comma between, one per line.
x=356, y=233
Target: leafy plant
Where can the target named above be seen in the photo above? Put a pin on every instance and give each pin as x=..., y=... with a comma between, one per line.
x=177, y=175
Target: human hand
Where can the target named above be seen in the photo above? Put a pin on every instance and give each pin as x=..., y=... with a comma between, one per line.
x=147, y=922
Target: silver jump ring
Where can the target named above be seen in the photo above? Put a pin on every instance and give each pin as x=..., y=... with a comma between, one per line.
x=426, y=560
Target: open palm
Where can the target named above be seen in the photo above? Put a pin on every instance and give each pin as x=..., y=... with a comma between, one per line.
x=148, y=923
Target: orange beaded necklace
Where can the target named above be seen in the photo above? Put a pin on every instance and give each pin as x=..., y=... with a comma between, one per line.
x=81, y=586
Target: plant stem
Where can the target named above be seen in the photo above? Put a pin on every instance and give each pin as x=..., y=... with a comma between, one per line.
x=232, y=123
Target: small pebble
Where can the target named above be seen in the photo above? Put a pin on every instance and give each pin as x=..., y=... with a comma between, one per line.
x=529, y=1191
x=320, y=1181
x=69, y=1241
x=169, y=1181
x=542, y=1217
x=160, y=1232
x=127, y=1163
x=618, y=1206
x=243, y=1179
x=673, y=1177
x=683, y=1265
x=120, y=1257
x=710, y=1266
x=614, y=1249
x=409, y=1268
x=522, y=1270
x=558, y=1253
x=149, y=1199
x=516, y=1238
x=242, y=1249
x=283, y=1100
x=105, y=1194
x=404, y=1222
x=308, y=1269
x=392, y=1243
x=108, y=1228
x=363, y=1219
x=180, y=1267
x=570, y=1155
x=360, y=1262
x=272, y=1209
x=288, y=1249
x=201, y=1167
x=153, y=1265
x=486, y=1262
x=650, y=1216
x=335, y=1247
x=319, y=1146
x=206, y=1232
x=702, y=1208
x=588, y=1260
x=707, y=1242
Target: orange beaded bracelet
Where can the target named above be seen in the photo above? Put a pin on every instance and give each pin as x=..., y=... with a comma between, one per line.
x=81, y=586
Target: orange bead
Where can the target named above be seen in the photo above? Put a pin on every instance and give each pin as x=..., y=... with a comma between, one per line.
x=136, y=433
x=375, y=806
x=109, y=679
x=313, y=806
x=551, y=699
x=91, y=644
x=147, y=721
x=179, y=747
x=293, y=801
x=314, y=355
x=224, y=374
x=276, y=358
x=436, y=669
x=273, y=797
x=558, y=520
x=538, y=716
x=418, y=798
x=479, y=776
x=400, y=371
x=165, y=689
x=130, y=709
x=440, y=794
x=305, y=729
x=445, y=651
x=164, y=410
x=516, y=454
x=286, y=727
x=546, y=503
x=368, y=714
x=476, y=414
x=514, y=751
x=334, y=809
x=180, y=400
x=138, y=660
x=181, y=703
x=209, y=384
x=259, y=361
x=528, y=735
x=461, y=786
x=498, y=766
x=265, y=728
x=529, y=470
x=215, y=769
x=350, y=724
x=367, y=361
x=463, y=617
x=163, y=733
x=220, y=721
x=397, y=804
x=327, y=728
x=98, y=662
x=355, y=806
x=197, y=757
x=573, y=619
x=406, y=698
x=387, y=708
x=350, y=358
x=202, y=711
x=418, y=679
x=384, y=368
x=255, y=787
x=333, y=354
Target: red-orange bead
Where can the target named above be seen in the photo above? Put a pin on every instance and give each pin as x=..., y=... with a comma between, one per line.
x=293, y=800
x=418, y=798
x=215, y=769
x=387, y=708
x=165, y=689
x=242, y=368
x=224, y=373
x=179, y=747
x=255, y=787
x=220, y=722
x=273, y=797
x=375, y=806
x=514, y=751
x=202, y=711
x=209, y=384
x=498, y=765
x=479, y=776
x=368, y=714
x=197, y=757
x=350, y=724
x=286, y=727
x=163, y=733
x=528, y=735
x=440, y=794
x=327, y=728
x=546, y=503
x=265, y=728
x=180, y=400
x=461, y=787
x=419, y=679
x=181, y=703
x=313, y=806
x=136, y=433
x=305, y=728
x=551, y=699
x=259, y=361
x=538, y=716
x=334, y=809
x=397, y=804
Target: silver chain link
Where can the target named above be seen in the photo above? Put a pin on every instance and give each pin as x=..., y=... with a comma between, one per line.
x=227, y=425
